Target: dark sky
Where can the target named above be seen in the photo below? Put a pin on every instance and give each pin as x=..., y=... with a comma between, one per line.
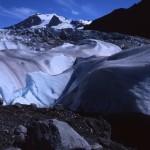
x=13, y=11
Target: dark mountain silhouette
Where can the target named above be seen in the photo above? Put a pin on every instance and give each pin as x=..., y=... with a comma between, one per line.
x=133, y=21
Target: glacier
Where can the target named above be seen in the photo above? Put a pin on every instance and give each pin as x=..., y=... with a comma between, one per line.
x=90, y=77
x=29, y=76
x=118, y=84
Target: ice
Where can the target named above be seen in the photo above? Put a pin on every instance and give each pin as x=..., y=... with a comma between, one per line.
x=118, y=84
x=39, y=77
x=6, y=87
x=41, y=89
x=87, y=48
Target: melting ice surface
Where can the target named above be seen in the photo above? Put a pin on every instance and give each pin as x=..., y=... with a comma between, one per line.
x=113, y=85
x=28, y=76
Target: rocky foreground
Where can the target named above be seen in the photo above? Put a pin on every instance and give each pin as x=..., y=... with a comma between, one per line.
x=29, y=128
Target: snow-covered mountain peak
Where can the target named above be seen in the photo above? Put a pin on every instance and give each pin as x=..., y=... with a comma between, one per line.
x=49, y=20
x=45, y=18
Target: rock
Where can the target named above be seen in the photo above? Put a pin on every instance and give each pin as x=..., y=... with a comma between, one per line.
x=76, y=24
x=33, y=105
x=70, y=139
x=20, y=129
x=1, y=102
x=19, y=140
x=20, y=134
x=6, y=131
x=18, y=105
x=39, y=49
x=54, y=134
x=58, y=107
x=94, y=129
x=96, y=146
x=12, y=148
x=48, y=38
x=54, y=21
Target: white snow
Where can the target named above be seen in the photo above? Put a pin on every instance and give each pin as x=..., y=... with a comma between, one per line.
x=40, y=76
x=85, y=22
x=46, y=19
x=63, y=25
x=66, y=23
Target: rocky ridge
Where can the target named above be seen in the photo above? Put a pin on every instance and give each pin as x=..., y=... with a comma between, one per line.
x=132, y=21
x=49, y=21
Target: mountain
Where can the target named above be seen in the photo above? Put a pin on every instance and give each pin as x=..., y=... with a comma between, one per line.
x=49, y=20
x=133, y=21
x=47, y=62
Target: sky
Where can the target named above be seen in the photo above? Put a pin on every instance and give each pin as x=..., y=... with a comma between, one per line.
x=14, y=11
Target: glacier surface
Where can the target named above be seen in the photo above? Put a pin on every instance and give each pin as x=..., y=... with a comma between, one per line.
x=111, y=85
x=39, y=77
x=92, y=76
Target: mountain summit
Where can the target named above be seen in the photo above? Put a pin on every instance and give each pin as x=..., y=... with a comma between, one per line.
x=49, y=20
x=132, y=21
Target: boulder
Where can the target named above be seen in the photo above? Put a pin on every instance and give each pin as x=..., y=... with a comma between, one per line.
x=54, y=134
x=20, y=134
x=12, y=148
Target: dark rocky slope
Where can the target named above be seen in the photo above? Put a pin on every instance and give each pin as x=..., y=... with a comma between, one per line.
x=131, y=129
x=27, y=23
x=132, y=21
x=54, y=21
x=92, y=129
